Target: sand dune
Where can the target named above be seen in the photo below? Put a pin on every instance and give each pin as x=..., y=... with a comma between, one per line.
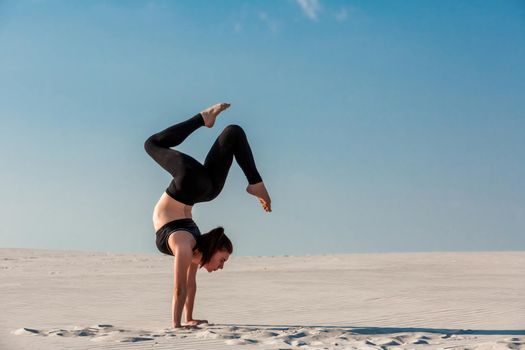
x=79, y=300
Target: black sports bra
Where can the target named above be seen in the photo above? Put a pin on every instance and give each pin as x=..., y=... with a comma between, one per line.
x=163, y=234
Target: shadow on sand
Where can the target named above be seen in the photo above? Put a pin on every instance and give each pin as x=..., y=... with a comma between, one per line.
x=384, y=330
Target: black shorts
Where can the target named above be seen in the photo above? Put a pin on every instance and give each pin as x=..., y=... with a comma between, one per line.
x=163, y=234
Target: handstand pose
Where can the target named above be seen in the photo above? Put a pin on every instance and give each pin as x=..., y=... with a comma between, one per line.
x=176, y=232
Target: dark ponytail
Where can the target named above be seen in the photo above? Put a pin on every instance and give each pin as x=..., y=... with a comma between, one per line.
x=211, y=242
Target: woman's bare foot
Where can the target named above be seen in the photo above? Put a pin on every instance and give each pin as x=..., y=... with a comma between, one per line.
x=210, y=113
x=259, y=190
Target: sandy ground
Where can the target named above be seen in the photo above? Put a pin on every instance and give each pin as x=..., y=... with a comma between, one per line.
x=80, y=300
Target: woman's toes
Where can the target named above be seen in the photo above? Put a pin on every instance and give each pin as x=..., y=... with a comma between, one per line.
x=265, y=205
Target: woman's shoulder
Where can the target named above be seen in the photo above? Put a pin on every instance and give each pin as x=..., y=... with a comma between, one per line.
x=181, y=239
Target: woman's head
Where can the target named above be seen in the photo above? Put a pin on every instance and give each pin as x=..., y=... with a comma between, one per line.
x=215, y=247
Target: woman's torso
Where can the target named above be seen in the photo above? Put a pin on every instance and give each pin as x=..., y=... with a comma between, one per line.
x=168, y=209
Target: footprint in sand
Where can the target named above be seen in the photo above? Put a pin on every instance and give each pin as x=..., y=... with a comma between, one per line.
x=207, y=334
x=134, y=339
x=244, y=341
x=110, y=336
x=22, y=331
x=514, y=343
x=260, y=333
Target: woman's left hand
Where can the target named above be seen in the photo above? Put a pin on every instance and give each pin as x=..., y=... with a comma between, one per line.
x=193, y=322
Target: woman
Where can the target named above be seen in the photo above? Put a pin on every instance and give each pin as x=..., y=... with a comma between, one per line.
x=177, y=234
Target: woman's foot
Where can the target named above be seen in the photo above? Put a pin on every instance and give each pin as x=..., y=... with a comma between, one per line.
x=259, y=190
x=210, y=113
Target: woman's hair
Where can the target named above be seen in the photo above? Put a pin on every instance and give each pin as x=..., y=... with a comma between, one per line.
x=211, y=242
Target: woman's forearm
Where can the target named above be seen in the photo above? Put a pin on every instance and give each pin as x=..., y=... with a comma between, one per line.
x=190, y=299
x=179, y=297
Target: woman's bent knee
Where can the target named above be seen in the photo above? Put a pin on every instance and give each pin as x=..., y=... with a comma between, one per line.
x=149, y=145
x=234, y=128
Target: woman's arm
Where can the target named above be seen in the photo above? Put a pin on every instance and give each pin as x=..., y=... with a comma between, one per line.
x=191, y=291
x=182, y=263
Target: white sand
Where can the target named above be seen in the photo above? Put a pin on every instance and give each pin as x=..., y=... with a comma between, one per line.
x=75, y=300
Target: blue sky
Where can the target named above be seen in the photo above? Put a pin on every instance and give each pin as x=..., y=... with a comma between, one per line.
x=384, y=126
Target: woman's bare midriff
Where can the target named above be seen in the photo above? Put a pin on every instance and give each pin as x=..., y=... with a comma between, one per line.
x=168, y=209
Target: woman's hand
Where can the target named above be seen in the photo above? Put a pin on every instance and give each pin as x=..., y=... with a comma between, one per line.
x=186, y=326
x=193, y=322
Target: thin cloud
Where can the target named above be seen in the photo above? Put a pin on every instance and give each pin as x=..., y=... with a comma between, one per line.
x=342, y=15
x=273, y=25
x=310, y=8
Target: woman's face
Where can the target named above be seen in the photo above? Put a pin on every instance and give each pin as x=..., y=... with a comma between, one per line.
x=217, y=260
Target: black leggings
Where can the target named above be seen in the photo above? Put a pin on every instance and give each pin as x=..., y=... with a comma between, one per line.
x=193, y=182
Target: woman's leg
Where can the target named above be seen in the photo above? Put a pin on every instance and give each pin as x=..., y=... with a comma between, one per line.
x=158, y=145
x=191, y=183
x=231, y=142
